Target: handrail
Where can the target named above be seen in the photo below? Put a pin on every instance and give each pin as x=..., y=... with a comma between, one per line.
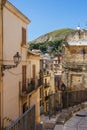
x=20, y=119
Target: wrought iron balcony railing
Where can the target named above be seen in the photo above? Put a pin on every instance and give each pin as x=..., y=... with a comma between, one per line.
x=46, y=73
x=46, y=85
x=28, y=87
x=46, y=98
x=40, y=81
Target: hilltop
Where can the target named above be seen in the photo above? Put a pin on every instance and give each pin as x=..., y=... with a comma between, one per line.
x=50, y=42
x=53, y=36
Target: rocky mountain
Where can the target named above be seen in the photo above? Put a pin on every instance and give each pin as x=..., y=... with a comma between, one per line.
x=53, y=36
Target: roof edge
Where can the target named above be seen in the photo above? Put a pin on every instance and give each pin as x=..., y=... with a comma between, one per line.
x=17, y=12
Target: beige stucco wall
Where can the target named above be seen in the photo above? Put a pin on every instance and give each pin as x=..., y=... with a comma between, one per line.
x=12, y=26
x=35, y=99
x=33, y=61
x=0, y=61
x=75, y=54
x=52, y=82
x=0, y=32
x=74, y=60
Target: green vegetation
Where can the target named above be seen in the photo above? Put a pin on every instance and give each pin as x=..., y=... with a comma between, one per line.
x=60, y=33
x=52, y=46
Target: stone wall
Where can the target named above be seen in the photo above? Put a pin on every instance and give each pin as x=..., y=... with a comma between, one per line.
x=74, y=60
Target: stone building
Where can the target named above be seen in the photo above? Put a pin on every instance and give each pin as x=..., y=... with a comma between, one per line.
x=57, y=69
x=74, y=60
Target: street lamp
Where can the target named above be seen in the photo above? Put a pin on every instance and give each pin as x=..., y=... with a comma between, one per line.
x=16, y=58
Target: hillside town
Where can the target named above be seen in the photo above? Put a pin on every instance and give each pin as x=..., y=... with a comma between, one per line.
x=38, y=92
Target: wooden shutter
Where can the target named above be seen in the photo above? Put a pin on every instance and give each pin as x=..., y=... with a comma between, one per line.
x=23, y=36
x=24, y=77
x=33, y=71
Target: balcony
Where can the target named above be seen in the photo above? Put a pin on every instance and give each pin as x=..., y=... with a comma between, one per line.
x=28, y=87
x=46, y=85
x=46, y=98
x=40, y=81
x=46, y=73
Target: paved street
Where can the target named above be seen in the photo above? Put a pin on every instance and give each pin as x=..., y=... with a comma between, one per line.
x=39, y=127
x=58, y=127
x=59, y=121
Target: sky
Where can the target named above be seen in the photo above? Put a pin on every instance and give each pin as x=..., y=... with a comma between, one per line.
x=49, y=15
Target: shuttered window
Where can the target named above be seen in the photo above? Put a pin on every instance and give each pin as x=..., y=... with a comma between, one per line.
x=24, y=77
x=23, y=36
x=33, y=71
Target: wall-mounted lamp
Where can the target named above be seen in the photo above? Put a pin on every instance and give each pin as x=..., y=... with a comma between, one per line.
x=16, y=58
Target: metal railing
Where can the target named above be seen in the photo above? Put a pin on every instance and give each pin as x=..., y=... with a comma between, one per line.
x=65, y=99
x=25, y=121
x=28, y=87
x=46, y=73
x=71, y=98
x=46, y=85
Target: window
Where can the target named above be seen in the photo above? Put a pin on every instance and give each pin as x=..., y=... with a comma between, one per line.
x=24, y=78
x=25, y=107
x=45, y=81
x=33, y=71
x=41, y=103
x=40, y=92
x=23, y=36
x=45, y=93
